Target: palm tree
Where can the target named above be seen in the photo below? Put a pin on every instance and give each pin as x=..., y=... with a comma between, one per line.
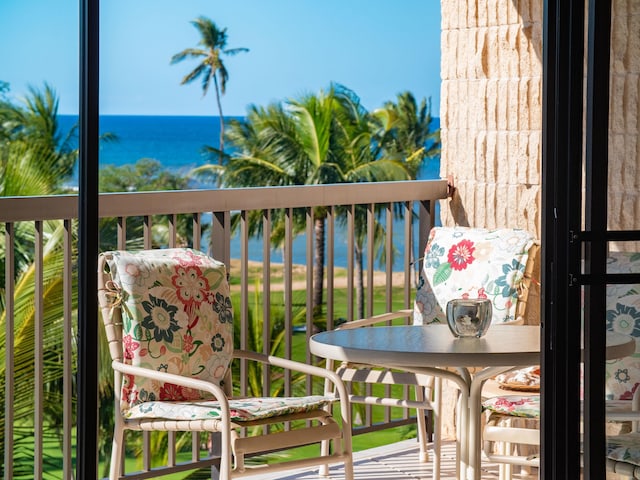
x=405, y=131
x=33, y=128
x=212, y=47
x=316, y=139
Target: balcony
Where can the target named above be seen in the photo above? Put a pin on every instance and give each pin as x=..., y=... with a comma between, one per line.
x=39, y=323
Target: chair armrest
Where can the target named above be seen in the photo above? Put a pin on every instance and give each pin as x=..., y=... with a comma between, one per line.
x=188, y=382
x=384, y=317
x=327, y=374
x=289, y=364
x=635, y=401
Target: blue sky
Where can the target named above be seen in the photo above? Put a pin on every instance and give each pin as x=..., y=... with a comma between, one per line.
x=377, y=48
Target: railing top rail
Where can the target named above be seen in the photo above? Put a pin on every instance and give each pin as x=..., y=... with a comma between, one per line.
x=15, y=209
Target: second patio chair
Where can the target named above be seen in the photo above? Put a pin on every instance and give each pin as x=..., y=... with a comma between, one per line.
x=169, y=325
x=513, y=420
x=459, y=262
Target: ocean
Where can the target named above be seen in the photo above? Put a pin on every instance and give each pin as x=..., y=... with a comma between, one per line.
x=177, y=143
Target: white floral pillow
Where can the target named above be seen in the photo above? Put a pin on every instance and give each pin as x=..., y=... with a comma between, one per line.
x=177, y=318
x=462, y=262
x=623, y=315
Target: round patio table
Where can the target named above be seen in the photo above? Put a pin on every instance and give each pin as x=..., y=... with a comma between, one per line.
x=432, y=349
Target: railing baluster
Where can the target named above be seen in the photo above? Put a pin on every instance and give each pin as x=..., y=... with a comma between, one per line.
x=171, y=448
x=331, y=242
x=67, y=396
x=350, y=262
x=371, y=227
x=146, y=450
x=122, y=232
x=9, y=386
x=288, y=292
x=409, y=253
x=38, y=367
x=244, y=298
x=266, y=296
x=311, y=286
x=389, y=284
x=148, y=231
x=197, y=230
x=173, y=228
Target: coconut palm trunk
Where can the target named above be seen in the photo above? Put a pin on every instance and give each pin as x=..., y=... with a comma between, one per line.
x=318, y=272
x=359, y=272
x=221, y=116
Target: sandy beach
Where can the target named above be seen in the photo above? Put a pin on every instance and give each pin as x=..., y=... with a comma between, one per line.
x=299, y=276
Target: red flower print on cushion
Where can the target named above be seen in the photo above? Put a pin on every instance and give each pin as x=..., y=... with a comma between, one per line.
x=191, y=285
x=169, y=391
x=191, y=260
x=461, y=255
x=187, y=343
x=130, y=346
x=508, y=404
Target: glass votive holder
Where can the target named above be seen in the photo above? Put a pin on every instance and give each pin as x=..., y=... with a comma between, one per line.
x=469, y=317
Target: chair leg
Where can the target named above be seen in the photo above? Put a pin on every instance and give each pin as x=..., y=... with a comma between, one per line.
x=437, y=427
x=117, y=447
x=422, y=427
x=325, y=450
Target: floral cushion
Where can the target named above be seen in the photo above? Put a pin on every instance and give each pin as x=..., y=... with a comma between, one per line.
x=177, y=318
x=514, y=405
x=623, y=315
x=461, y=262
x=241, y=409
x=624, y=448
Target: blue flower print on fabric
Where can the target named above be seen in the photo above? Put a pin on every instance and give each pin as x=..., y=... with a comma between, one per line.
x=160, y=319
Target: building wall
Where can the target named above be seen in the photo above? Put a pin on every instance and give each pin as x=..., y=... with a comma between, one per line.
x=491, y=116
x=491, y=120
x=491, y=112
x=624, y=120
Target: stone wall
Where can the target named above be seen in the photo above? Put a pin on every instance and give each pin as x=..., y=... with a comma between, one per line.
x=491, y=112
x=624, y=120
x=491, y=116
x=491, y=120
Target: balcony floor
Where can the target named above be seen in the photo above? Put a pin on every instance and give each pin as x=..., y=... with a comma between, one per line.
x=391, y=462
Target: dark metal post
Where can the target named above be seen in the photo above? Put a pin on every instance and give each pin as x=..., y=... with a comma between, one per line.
x=563, y=59
x=87, y=425
x=596, y=193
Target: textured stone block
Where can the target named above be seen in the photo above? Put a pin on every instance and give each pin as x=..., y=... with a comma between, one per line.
x=492, y=12
x=523, y=51
x=630, y=175
x=481, y=8
x=632, y=103
x=633, y=43
x=616, y=103
x=502, y=104
x=502, y=159
x=513, y=105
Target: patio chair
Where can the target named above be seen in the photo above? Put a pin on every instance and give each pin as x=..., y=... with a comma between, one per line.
x=169, y=325
x=513, y=420
x=458, y=262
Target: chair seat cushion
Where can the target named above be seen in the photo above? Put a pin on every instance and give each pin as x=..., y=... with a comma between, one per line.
x=624, y=448
x=241, y=409
x=514, y=405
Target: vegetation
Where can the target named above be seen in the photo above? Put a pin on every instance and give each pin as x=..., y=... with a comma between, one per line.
x=321, y=138
x=326, y=138
x=212, y=47
x=146, y=175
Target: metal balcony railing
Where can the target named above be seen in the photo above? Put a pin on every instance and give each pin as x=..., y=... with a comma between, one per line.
x=38, y=282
